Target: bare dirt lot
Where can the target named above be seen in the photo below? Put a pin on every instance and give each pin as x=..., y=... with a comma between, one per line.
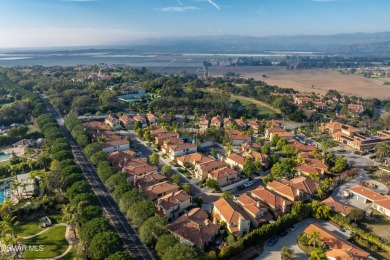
x=315, y=80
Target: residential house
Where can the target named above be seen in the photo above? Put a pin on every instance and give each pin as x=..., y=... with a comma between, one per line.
x=261, y=157
x=255, y=126
x=339, y=248
x=194, y=228
x=238, y=140
x=356, y=108
x=149, y=179
x=112, y=121
x=228, y=122
x=202, y=170
x=158, y=190
x=166, y=118
x=235, y=161
x=277, y=204
x=138, y=170
x=115, y=143
x=216, y=122
x=307, y=185
x=93, y=127
x=248, y=147
x=133, y=91
x=141, y=119
x=203, y=122
x=172, y=205
x=271, y=132
x=306, y=170
x=237, y=221
x=285, y=190
x=256, y=210
x=337, y=206
x=158, y=131
x=127, y=122
x=241, y=124
x=24, y=143
x=118, y=159
x=175, y=150
x=378, y=201
x=193, y=158
x=159, y=139
x=151, y=118
x=302, y=147
x=225, y=176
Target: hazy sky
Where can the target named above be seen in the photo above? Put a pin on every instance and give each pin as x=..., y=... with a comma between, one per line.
x=36, y=23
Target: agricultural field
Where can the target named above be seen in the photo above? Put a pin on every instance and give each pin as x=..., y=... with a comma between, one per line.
x=315, y=80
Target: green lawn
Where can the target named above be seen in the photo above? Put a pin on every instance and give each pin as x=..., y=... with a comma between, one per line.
x=28, y=229
x=31, y=227
x=383, y=79
x=265, y=110
x=53, y=242
x=72, y=255
x=33, y=128
x=379, y=226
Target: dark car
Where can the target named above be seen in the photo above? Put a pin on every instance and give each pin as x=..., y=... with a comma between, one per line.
x=283, y=233
x=241, y=187
x=342, y=229
x=272, y=241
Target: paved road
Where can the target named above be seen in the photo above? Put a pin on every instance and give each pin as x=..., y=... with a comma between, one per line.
x=127, y=233
x=290, y=240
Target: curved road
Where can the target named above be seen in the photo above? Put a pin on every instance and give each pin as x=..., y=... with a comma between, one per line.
x=122, y=226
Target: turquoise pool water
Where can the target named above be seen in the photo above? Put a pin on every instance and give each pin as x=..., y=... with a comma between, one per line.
x=4, y=156
x=2, y=195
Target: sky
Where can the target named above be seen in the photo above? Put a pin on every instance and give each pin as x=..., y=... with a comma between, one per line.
x=49, y=23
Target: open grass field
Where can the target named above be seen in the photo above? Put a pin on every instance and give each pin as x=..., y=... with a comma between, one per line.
x=315, y=80
x=265, y=110
x=31, y=227
x=379, y=226
x=53, y=242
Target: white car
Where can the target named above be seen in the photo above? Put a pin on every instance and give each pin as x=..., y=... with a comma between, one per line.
x=248, y=184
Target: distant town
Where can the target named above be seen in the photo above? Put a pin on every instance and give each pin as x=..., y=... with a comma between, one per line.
x=115, y=162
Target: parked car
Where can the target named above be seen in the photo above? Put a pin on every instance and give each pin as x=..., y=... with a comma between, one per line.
x=283, y=233
x=272, y=241
x=294, y=227
x=342, y=229
x=248, y=184
x=241, y=187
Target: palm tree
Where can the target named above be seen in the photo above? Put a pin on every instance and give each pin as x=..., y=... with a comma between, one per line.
x=314, y=238
x=317, y=254
x=43, y=160
x=287, y=253
x=7, y=225
x=6, y=207
x=69, y=217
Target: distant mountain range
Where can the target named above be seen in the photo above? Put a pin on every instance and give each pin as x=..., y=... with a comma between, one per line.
x=345, y=43
x=355, y=42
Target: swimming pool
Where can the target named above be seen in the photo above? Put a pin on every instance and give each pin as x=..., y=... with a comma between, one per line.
x=3, y=193
x=4, y=156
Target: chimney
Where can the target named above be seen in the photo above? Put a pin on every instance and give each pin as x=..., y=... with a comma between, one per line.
x=298, y=193
x=258, y=205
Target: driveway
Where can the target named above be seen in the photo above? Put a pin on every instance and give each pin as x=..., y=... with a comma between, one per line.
x=290, y=240
x=354, y=159
x=338, y=191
